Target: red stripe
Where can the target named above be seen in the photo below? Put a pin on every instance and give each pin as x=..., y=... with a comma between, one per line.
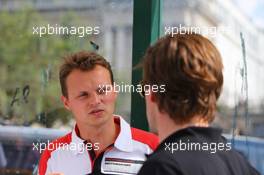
x=145, y=137
x=47, y=153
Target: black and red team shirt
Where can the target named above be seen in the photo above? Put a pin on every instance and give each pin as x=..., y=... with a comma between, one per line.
x=125, y=156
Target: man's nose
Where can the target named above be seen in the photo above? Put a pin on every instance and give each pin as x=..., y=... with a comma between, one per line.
x=95, y=99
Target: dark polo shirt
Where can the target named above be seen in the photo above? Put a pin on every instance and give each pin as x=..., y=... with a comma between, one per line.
x=196, y=151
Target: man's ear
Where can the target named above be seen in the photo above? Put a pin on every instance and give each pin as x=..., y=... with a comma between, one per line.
x=152, y=97
x=65, y=102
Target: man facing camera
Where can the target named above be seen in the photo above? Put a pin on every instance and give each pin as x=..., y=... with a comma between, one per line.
x=101, y=142
x=190, y=67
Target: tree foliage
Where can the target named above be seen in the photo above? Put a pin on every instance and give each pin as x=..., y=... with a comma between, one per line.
x=29, y=64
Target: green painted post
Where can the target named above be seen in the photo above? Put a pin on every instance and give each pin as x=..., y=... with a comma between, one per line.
x=146, y=30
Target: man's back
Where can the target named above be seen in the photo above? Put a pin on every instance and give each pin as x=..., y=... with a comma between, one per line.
x=199, y=151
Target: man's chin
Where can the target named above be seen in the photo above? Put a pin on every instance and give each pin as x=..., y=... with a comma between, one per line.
x=99, y=119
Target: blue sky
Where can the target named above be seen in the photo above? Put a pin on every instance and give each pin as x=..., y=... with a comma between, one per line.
x=254, y=9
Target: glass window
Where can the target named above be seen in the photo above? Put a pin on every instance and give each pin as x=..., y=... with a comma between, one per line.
x=35, y=35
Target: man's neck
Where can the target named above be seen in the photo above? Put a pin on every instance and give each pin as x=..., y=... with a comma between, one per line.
x=105, y=135
x=166, y=126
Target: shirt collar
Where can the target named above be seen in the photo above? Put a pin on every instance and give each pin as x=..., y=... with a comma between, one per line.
x=123, y=141
x=77, y=141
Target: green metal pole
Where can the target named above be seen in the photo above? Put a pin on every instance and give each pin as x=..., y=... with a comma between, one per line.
x=146, y=30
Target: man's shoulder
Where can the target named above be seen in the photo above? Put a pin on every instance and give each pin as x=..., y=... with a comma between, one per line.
x=50, y=147
x=160, y=163
x=145, y=137
x=180, y=161
x=55, y=144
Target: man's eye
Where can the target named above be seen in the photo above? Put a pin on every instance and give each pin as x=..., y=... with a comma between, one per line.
x=101, y=91
x=83, y=95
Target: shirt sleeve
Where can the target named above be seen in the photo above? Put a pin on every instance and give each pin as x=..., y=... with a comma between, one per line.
x=43, y=167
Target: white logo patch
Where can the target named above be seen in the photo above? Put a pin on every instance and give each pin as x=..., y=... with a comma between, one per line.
x=121, y=166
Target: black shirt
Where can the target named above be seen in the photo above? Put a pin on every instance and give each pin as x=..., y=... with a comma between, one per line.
x=196, y=151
